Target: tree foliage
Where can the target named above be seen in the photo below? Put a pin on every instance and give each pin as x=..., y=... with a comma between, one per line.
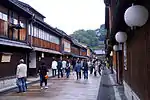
x=92, y=38
x=86, y=37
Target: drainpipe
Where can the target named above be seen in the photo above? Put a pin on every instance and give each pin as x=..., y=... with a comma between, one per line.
x=32, y=31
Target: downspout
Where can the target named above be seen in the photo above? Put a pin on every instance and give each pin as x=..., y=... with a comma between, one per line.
x=32, y=31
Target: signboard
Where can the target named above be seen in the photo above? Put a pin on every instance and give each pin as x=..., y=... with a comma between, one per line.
x=6, y=58
x=67, y=47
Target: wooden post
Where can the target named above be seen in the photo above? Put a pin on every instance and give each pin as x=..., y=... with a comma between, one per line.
x=117, y=66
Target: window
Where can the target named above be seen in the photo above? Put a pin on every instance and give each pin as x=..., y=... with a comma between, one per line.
x=1, y=15
x=23, y=31
x=3, y=25
x=36, y=34
x=5, y=18
x=15, y=34
x=43, y=35
x=49, y=38
x=40, y=35
x=55, y=40
x=34, y=31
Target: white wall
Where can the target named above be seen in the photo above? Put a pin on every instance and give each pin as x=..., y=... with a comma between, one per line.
x=32, y=59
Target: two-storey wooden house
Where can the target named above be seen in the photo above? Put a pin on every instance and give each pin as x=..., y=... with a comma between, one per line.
x=44, y=40
x=65, y=45
x=13, y=37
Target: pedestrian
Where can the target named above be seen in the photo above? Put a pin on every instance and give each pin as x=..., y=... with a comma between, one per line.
x=85, y=69
x=67, y=69
x=59, y=68
x=54, y=67
x=63, y=65
x=95, y=67
x=99, y=67
x=43, y=71
x=78, y=69
x=73, y=63
x=92, y=66
x=21, y=75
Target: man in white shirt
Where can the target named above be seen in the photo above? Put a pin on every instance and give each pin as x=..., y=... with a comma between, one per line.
x=21, y=75
x=54, y=67
x=64, y=65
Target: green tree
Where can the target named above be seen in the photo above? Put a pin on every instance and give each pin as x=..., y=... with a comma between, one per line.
x=87, y=37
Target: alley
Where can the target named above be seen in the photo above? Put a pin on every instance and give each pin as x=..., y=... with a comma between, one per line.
x=60, y=89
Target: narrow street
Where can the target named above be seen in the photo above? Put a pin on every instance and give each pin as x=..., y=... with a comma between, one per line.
x=60, y=89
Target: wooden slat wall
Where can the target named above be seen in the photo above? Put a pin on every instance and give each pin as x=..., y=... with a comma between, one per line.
x=138, y=63
x=44, y=44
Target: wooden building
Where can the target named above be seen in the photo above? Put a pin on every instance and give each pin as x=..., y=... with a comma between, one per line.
x=13, y=37
x=134, y=58
x=25, y=35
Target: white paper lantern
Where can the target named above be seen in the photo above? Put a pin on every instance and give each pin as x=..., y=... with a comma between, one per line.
x=115, y=47
x=121, y=37
x=111, y=54
x=136, y=15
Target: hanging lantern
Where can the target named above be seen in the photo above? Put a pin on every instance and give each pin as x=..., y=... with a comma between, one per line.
x=115, y=47
x=111, y=54
x=136, y=15
x=121, y=37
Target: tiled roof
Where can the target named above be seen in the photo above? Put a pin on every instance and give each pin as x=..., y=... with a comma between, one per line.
x=28, y=7
x=25, y=7
x=63, y=33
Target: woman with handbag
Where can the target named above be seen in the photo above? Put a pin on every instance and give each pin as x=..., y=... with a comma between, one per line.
x=43, y=70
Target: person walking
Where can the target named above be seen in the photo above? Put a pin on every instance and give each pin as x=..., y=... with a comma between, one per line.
x=59, y=68
x=95, y=68
x=73, y=63
x=67, y=69
x=78, y=69
x=85, y=69
x=21, y=75
x=99, y=67
x=92, y=67
x=63, y=65
x=43, y=71
x=54, y=67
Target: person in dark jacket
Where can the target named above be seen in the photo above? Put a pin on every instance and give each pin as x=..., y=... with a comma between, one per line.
x=85, y=69
x=78, y=69
x=99, y=67
x=43, y=70
x=59, y=68
x=73, y=63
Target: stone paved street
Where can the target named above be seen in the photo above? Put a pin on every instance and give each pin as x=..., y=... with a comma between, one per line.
x=60, y=89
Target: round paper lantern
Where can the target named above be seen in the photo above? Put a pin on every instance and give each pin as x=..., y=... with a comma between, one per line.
x=115, y=48
x=111, y=54
x=121, y=37
x=136, y=15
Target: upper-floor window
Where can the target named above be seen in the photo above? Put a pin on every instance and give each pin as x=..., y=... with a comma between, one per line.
x=42, y=34
x=3, y=16
x=55, y=39
x=3, y=22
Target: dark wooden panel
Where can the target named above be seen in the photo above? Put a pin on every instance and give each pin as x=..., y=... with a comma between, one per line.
x=137, y=75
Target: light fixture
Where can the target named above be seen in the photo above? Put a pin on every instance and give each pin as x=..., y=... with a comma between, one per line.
x=115, y=47
x=121, y=37
x=136, y=15
x=111, y=54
